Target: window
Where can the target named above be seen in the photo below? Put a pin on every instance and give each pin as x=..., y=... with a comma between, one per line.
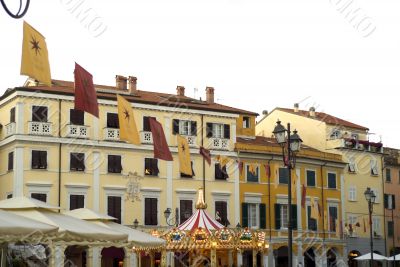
x=376, y=226
x=311, y=222
x=221, y=212
x=331, y=180
x=151, y=167
x=9, y=196
x=76, y=202
x=112, y=120
x=39, y=196
x=377, y=197
x=10, y=161
x=39, y=113
x=390, y=227
x=352, y=193
x=374, y=167
x=146, y=124
x=253, y=215
x=388, y=176
x=354, y=136
x=218, y=130
x=310, y=178
x=39, y=159
x=283, y=176
x=77, y=162
x=150, y=211
x=184, y=127
x=76, y=117
x=335, y=134
x=220, y=173
x=246, y=122
x=252, y=173
x=114, y=164
x=186, y=210
x=352, y=220
x=352, y=165
x=389, y=201
x=114, y=207
x=332, y=217
x=284, y=216
x=12, y=115
x=183, y=175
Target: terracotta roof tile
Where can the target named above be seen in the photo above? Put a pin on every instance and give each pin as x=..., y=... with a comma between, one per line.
x=266, y=141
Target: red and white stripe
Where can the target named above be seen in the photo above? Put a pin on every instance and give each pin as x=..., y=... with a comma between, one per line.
x=200, y=219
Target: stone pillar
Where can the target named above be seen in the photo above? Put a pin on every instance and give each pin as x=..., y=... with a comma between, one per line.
x=96, y=256
x=213, y=257
x=127, y=257
x=164, y=258
x=96, y=181
x=57, y=256
x=134, y=259
x=254, y=258
x=19, y=118
x=239, y=259
x=18, y=172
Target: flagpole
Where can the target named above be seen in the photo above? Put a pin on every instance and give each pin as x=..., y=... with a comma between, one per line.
x=204, y=160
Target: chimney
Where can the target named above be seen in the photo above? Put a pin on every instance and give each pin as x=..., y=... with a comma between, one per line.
x=121, y=82
x=312, y=112
x=180, y=90
x=296, y=107
x=132, y=82
x=265, y=113
x=210, y=95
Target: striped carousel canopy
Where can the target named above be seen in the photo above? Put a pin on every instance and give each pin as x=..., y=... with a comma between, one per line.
x=200, y=219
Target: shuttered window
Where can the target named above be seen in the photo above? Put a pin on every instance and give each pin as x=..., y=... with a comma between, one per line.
x=218, y=130
x=184, y=127
x=283, y=176
x=10, y=161
x=12, y=115
x=146, y=123
x=112, y=120
x=151, y=167
x=39, y=113
x=310, y=178
x=39, y=159
x=114, y=164
x=114, y=207
x=186, y=210
x=221, y=212
x=77, y=161
x=39, y=196
x=150, y=211
x=76, y=117
x=220, y=173
x=76, y=202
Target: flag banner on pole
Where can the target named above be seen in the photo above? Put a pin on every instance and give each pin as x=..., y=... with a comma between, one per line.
x=127, y=125
x=85, y=94
x=161, y=149
x=185, y=165
x=206, y=154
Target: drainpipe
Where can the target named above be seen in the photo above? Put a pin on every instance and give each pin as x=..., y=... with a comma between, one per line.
x=59, y=154
x=384, y=211
x=204, y=160
x=323, y=205
x=269, y=201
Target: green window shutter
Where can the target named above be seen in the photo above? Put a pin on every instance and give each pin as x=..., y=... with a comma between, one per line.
x=294, y=216
x=245, y=215
x=263, y=217
x=277, y=216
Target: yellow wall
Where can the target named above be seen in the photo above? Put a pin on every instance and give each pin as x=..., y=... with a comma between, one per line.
x=241, y=131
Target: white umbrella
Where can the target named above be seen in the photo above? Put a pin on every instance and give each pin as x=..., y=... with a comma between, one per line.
x=392, y=258
x=368, y=257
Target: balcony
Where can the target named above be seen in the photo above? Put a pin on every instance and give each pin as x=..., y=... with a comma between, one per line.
x=191, y=141
x=362, y=145
x=39, y=128
x=111, y=134
x=77, y=131
x=10, y=128
x=146, y=137
x=219, y=143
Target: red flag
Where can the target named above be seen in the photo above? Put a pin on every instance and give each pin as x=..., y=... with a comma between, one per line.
x=206, y=154
x=161, y=149
x=303, y=196
x=85, y=94
x=240, y=167
x=267, y=171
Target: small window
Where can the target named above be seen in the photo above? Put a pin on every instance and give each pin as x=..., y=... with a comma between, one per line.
x=220, y=173
x=332, y=217
x=114, y=207
x=221, y=212
x=184, y=127
x=186, y=210
x=76, y=117
x=332, y=180
x=253, y=215
x=390, y=227
x=39, y=113
x=10, y=161
x=389, y=201
x=283, y=176
x=183, y=175
x=76, y=202
x=151, y=167
x=9, y=196
x=354, y=136
x=218, y=130
x=376, y=226
x=114, y=164
x=335, y=134
x=77, y=162
x=39, y=196
x=352, y=193
x=146, y=124
x=150, y=211
x=246, y=122
x=284, y=216
x=12, y=115
x=377, y=197
x=388, y=176
x=312, y=223
x=39, y=159
x=112, y=120
x=311, y=178
x=352, y=165
x=252, y=173
x=374, y=167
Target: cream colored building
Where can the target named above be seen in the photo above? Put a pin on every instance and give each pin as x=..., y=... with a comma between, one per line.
x=364, y=169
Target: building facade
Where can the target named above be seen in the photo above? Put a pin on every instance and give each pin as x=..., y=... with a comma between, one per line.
x=364, y=169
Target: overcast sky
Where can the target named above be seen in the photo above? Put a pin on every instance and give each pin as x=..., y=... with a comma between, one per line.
x=341, y=56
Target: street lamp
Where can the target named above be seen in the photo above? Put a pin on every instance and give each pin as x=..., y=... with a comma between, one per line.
x=135, y=223
x=171, y=221
x=291, y=143
x=370, y=197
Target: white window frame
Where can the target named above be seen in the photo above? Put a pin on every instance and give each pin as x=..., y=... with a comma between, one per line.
x=77, y=189
x=377, y=195
x=374, y=167
x=327, y=180
x=335, y=134
x=315, y=177
x=39, y=188
x=376, y=225
x=336, y=205
x=40, y=105
x=111, y=191
x=245, y=125
x=182, y=194
x=258, y=172
x=182, y=127
x=218, y=130
x=255, y=199
x=352, y=165
x=151, y=193
x=308, y=204
x=222, y=196
x=352, y=193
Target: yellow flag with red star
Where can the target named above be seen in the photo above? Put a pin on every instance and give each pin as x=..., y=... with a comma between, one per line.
x=185, y=165
x=127, y=125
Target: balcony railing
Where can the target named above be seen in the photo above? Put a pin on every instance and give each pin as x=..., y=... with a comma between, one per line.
x=40, y=128
x=191, y=141
x=10, y=128
x=146, y=137
x=77, y=131
x=219, y=143
x=111, y=134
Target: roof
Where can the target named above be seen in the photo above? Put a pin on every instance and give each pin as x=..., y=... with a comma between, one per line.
x=200, y=219
x=329, y=119
x=267, y=141
x=145, y=97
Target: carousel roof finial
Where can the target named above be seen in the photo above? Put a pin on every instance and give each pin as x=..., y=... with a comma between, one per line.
x=201, y=205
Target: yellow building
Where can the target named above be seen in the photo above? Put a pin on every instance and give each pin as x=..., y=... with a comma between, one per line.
x=364, y=168
x=68, y=158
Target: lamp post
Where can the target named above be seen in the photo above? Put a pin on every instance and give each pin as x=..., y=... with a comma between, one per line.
x=135, y=223
x=291, y=143
x=171, y=221
x=370, y=197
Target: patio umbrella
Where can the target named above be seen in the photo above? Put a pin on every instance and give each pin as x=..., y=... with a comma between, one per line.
x=392, y=258
x=368, y=257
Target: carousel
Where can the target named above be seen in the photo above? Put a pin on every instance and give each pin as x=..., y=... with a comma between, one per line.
x=202, y=241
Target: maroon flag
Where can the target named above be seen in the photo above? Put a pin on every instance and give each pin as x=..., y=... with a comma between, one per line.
x=206, y=154
x=85, y=94
x=267, y=171
x=303, y=196
x=240, y=167
x=161, y=149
